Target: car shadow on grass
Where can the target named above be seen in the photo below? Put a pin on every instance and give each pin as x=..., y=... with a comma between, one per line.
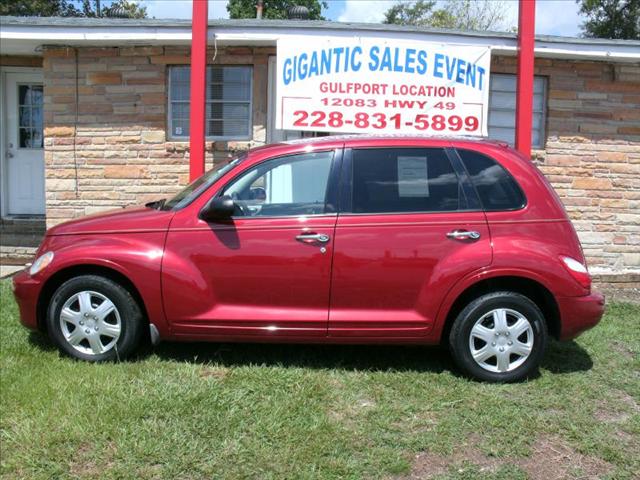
x=342, y=357
x=561, y=357
x=41, y=341
x=346, y=357
x=566, y=357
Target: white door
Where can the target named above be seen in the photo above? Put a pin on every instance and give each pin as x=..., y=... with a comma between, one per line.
x=23, y=144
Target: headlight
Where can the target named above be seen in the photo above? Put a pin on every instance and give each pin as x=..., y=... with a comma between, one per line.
x=41, y=263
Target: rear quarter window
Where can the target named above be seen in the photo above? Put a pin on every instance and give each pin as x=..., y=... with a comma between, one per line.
x=496, y=188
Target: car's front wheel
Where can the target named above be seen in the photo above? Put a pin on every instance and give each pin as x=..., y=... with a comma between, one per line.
x=94, y=318
x=499, y=337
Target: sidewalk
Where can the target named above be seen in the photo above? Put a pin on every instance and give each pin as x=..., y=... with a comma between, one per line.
x=8, y=270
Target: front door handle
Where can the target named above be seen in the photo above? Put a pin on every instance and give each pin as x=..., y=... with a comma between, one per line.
x=313, y=237
x=464, y=235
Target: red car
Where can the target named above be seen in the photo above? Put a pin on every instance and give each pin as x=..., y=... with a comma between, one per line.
x=334, y=240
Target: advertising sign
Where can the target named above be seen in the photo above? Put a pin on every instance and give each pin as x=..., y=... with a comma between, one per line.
x=350, y=85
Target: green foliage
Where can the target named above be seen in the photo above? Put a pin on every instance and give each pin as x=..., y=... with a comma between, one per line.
x=38, y=8
x=274, y=9
x=418, y=13
x=611, y=18
x=69, y=8
x=455, y=14
x=117, y=8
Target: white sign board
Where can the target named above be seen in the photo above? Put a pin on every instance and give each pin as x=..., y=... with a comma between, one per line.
x=349, y=85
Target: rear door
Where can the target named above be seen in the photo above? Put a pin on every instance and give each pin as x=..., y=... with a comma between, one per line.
x=410, y=226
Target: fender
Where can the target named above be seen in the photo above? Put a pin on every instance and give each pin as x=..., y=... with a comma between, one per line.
x=476, y=277
x=122, y=253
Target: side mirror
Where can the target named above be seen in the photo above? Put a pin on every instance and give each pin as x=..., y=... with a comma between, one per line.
x=219, y=208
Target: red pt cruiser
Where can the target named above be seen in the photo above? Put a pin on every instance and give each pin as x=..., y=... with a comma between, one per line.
x=334, y=240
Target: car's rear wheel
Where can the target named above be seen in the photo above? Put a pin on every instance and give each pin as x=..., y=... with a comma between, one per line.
x=499, y=337
x=94, y=318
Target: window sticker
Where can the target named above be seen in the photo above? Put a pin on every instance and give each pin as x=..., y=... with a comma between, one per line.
x=412, y=177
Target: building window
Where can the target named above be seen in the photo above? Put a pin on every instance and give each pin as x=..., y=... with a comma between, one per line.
x=30, y=116
x=228, y=102
x=502, y=109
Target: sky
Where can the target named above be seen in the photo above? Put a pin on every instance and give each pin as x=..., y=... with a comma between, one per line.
x=553, y=17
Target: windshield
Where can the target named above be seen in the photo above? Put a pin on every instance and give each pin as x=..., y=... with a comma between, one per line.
x=199, y=185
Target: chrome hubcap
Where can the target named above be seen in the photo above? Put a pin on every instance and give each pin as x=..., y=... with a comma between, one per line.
x=90, y=322
x=501, y=340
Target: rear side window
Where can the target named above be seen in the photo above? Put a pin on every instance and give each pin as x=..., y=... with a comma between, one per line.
x=388, y=180
x=496, y=188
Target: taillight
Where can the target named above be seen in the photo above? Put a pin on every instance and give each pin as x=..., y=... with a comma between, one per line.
x=578, y=271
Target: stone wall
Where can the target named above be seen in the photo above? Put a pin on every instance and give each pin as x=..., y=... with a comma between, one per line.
x=592, y=154
x=19, y=239
x=107, y=147
x=116, y=152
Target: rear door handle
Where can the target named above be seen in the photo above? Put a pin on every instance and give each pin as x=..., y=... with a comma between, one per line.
x=464, y=235
x=313, y=237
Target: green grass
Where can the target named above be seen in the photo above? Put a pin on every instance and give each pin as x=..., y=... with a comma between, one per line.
x=186, y=411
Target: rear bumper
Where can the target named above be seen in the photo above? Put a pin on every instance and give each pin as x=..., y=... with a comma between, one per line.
x=578, y=314
x=26, y=290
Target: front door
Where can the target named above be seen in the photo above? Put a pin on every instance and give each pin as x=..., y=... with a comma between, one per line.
x=407, y=234
x=266, y=271
x=23, y=144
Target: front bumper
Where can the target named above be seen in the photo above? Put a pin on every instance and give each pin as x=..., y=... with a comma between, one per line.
x=578, y=314
x=26, y=291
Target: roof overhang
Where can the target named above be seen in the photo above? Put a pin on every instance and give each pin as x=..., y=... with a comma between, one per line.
x=27, y=36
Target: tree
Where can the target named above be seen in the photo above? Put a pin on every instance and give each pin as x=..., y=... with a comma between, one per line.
x=418, y=13
x=73, y=8
x=274, y=9
x=457, y=14
x=611, y=18
x=38, y=8
x=117, y=8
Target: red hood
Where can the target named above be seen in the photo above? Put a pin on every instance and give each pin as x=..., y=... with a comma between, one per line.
x=131, y=220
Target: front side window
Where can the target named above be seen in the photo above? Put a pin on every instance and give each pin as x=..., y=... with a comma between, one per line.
x=228, y=102
x=389, y=180
x=496, y=188
x=292, y=185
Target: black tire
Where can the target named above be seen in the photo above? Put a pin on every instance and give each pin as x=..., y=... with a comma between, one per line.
x=460, y=337
x=131, y=320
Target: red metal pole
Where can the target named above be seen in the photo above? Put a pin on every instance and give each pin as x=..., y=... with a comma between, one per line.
x=198, y=79
x=524, y=88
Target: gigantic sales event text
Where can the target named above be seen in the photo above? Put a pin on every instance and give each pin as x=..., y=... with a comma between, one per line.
x=334, y=60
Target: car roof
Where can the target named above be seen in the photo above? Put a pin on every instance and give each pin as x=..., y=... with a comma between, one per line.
x=360, y=138
x=373, y=140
